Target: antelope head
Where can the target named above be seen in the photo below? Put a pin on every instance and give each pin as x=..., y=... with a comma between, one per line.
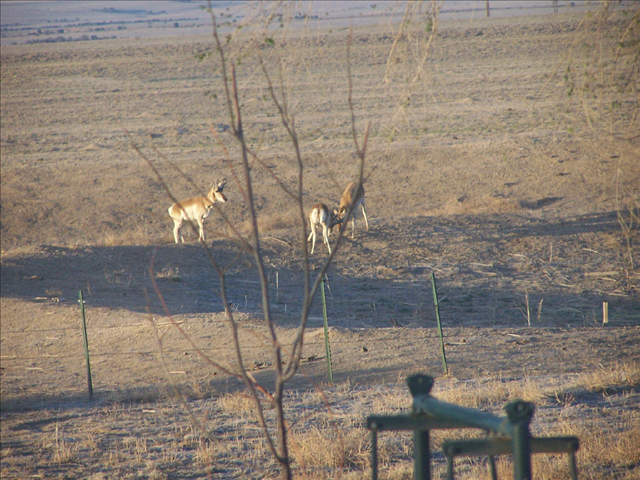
x=216, y=191
x=336, y=219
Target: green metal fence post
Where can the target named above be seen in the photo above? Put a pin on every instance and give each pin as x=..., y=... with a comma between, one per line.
x=520, y=414
x=420, y=385
x=86, y=346
x=450, y=459
x=326, y=332
x=492, y=468
x=435, y=301
x=421, y=455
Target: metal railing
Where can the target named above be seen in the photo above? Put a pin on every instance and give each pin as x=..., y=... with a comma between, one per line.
x=508, y=435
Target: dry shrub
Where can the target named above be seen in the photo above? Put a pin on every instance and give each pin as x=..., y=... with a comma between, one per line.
x=147, y=394
x=240, y=404
x=331, y=448
x=169, y=273
x=402, y=471
x=492, y=391
x=271, y=222
x=109, y=239
x=474, y=468
x=208, y=453
x=196, y=390
x=21, y=251
x=63, y=452
x=391, y=401
x=612, y=241
x=138, y=236
x=624, y=449
x=602, y=448
x=550, y=467
x=621, y=449
x=277, y=221
x=319, y=450
x=628, y=210
x=274, y=218
x=603, y=379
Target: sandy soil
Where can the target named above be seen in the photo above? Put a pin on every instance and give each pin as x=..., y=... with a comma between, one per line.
x=489, y=177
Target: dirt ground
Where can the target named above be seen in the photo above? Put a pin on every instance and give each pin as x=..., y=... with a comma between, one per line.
x=489, y=177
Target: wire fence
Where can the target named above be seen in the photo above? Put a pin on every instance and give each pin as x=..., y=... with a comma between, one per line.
x=129, y=352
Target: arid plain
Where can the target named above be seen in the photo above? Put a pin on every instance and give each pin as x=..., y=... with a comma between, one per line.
x=509, y=168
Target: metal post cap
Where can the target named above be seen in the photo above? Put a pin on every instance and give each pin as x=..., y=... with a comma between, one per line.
x=520, y=411
x=420, y=384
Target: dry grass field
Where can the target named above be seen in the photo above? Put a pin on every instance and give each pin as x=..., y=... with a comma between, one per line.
x=509, y=168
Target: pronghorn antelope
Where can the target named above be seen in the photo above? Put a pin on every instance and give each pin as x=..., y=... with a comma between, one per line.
x=196, y=208
x=349, y=197
x=321, y=216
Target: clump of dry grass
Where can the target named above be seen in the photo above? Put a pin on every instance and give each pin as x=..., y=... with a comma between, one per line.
x=169, y=273
x=207, y=453
x=392, y=401
x=196, y=390
x=604, y=379
x=146, y=394
x=606, y=445
x=269, y=222
x=277, y=221
x=494, y=391
x=326, y=447
x=240, y=404
x=10, y=252
x=63, y=451
x=139, y=235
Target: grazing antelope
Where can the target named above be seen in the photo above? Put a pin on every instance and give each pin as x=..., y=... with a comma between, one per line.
x=321, y=216
x=196, y=208
x=349, y=197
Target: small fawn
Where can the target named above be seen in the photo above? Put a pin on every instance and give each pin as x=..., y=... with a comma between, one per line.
x=320, y=216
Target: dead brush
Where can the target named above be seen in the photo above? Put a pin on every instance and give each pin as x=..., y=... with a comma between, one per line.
x=197, y=390
x=62, y=451
x=330, y=448
x=271, y=222
x=628, y=214
x=623, y=375
x=391, y=401
x=237, y=404
x=492, y=391
x=606, y=450
x=137, y=236
x=169, y=273
x=209, y=453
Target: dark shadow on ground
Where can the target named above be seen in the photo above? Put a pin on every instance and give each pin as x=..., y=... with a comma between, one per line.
x=488, y=267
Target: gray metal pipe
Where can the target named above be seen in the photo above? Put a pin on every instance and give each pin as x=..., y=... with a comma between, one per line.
x=471, y=418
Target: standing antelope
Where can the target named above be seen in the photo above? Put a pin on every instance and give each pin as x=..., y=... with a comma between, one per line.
x=196, y=208
x=351, y=197
x=321, y=216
